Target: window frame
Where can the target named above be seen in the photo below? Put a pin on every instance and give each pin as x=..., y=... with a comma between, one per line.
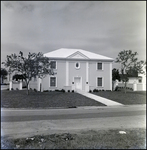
x=55, y=62
x=79, y=65
x=55, y=81
x=97, y=82
x=97, y=65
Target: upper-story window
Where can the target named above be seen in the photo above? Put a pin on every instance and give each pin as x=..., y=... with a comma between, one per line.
x=53, y=64
x=99, y=66
x=77, y=65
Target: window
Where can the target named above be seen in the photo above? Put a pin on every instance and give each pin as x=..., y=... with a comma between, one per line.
x=99, y=66
x=52, y=81
x=53, y=65
x=140, y=80
x=77, y=65
x=99, y=81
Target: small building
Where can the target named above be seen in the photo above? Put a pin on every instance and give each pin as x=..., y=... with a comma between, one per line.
x=76, y=69
x=136, y=82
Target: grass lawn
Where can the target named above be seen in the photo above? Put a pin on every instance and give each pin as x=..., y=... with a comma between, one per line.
x=102, y=139
x=19, y=99
x=136, y=97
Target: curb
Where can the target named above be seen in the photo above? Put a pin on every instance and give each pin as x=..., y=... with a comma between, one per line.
x=80, y=107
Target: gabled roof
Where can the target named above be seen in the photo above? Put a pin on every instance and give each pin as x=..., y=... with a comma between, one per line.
x=66, y=53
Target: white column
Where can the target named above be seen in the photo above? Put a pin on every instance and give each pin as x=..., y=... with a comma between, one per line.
x=111, y=76
x=10, y=82
x=20, y=85
x=67, y=73
x=10, y=85
x=144, y=87
x=87, y=72
x=87, y=77
x=134, y=86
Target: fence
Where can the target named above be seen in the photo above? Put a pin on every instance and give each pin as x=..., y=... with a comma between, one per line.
x=133, y=86
x=15, y=85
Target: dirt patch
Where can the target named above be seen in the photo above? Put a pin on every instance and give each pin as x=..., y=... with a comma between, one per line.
x=92, y=139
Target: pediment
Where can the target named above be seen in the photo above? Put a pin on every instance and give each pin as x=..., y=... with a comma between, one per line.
x=78, y=55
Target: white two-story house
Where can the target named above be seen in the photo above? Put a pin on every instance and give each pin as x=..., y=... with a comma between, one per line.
x=77, y=69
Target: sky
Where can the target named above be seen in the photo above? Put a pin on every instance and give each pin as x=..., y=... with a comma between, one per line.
x=102, y=27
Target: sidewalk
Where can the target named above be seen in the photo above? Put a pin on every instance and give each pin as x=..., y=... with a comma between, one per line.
x=100, y=99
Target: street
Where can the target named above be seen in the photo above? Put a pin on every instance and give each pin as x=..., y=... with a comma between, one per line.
x=28, y=122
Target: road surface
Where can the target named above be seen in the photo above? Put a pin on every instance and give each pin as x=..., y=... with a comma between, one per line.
x=28, y=122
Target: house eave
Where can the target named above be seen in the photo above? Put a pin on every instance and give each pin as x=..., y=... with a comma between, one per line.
x=88, y=59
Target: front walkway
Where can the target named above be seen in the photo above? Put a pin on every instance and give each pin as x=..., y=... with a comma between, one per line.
x=100, y=99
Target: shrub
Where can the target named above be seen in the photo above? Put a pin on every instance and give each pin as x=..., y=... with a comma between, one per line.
x=45, y=90
x=116, y=88
x=68, y=90
x=17, y=89
x=57, y=90
x=12, y=89
x=103, y=90
x=94, y=90
x=63, y=90
x=35, y=90
x=90, y=91
x=73, y=91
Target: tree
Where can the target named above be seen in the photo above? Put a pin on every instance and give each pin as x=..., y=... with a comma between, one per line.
x=4, y=73
x=132, y=72
x=115, y=74
x=128, y=61
x=33, y=65
x=18, y=77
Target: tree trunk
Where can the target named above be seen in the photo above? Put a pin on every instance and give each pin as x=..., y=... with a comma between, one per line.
x=27, y=83
x=125, y=87
x=1, y=80
x=27, y=90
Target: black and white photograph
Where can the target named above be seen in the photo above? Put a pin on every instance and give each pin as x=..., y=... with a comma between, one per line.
x=73, y=75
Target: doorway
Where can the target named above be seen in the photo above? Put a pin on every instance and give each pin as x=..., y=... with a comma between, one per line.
x=78, y=83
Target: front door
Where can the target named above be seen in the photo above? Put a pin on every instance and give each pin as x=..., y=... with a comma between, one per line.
x=78, y=85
